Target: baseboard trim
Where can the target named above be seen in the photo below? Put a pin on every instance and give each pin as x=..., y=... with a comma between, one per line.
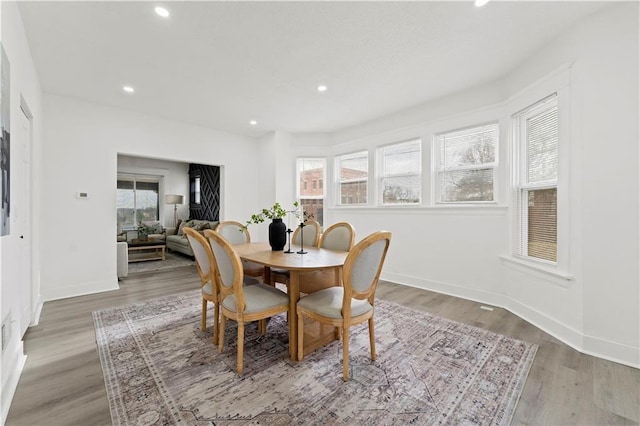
x=80, y=289
x=10, y=387
x=601, y=348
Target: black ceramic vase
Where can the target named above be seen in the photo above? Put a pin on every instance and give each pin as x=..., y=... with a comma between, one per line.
x=277, y=235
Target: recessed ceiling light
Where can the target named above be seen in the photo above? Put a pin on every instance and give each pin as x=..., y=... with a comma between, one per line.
x=322, y=88
x=128, y=89
x=480, y=3
x=161, y=11
x=253, y=122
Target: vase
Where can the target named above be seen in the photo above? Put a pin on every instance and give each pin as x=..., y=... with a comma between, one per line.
x=277, y=235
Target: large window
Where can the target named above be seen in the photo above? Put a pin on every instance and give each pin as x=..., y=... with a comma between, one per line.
x=137, y=199
x=311, y=196
x=401, y=172
x=465, y=170
x=537, y=135
x=352, y=174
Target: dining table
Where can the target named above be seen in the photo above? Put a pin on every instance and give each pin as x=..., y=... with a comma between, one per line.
x=314, y=259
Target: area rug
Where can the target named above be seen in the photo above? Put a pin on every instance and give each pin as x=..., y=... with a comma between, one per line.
x=171, y=261
x=159, y=368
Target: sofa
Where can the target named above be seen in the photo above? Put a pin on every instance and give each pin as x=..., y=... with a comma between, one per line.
x=176, y=240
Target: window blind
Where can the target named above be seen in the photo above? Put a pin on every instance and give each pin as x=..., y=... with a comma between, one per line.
x=402, y=173
x=467, y=164
x=539, y=194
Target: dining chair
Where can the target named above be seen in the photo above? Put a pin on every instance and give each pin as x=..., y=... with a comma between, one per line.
x=310, y=236
x=340, y=237
x=204, y=265
x=241, y=304
x=236, y=233
x=353, y=303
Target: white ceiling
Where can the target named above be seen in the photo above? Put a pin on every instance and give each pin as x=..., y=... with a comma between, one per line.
x=221, y=64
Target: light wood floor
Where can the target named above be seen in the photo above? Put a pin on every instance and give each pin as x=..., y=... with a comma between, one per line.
x=62, y=383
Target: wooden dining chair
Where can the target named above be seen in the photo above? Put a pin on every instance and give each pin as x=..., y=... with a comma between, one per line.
x=310, y=236
x=340, y=237
x=241, y=304
x=353, y=303
x=236, y=233
x=204, y=265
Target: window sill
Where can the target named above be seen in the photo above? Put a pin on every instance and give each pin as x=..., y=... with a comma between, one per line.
x=539, y=269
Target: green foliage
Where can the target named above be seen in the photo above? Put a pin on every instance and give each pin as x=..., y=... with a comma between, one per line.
x=276, y=212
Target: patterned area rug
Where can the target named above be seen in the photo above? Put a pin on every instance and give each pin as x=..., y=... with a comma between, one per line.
x=159, y=368
x=171, y=261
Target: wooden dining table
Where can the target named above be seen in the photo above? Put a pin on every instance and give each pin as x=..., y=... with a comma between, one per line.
x=315, y=259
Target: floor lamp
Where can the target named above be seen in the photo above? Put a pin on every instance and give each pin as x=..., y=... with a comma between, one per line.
x=175, y=200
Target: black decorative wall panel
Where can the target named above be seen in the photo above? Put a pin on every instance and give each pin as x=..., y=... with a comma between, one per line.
x=209, y=206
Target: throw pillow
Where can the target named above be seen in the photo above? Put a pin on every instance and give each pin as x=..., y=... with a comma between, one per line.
x=183, y=224
x=153, y=226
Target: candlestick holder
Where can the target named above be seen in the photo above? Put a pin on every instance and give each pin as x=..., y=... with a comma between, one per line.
x=301, y=251
x=289, y=231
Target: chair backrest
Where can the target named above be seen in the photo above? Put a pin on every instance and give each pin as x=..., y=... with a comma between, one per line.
x=362, y=268
x=204, y=256
x=311, y=234
x=339, y=236
x=228, y=268
x=234, y=232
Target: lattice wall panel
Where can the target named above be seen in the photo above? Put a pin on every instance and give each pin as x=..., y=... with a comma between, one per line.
x=209, y=207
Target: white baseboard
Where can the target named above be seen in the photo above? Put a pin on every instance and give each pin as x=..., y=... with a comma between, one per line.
x=11, y=384
x=35, y=318
x=475, y=295
x=79, y=289
x=601, y=348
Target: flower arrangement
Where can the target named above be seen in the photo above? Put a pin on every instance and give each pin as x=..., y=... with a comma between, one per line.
x=277, y=212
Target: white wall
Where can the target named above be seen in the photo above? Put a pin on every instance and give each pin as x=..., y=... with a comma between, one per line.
x=175, y=181
x=460, y=250
x=23, y=83
x=81, y=148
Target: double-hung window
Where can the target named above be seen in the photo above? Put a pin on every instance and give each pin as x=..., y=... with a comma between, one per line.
x=401, y=172
x=311, y=196
x=466, y=165
x=352, y=174
x=536, y=131
x=137, y=199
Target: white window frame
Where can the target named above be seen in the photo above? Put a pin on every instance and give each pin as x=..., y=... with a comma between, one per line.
x=438, y=168
x=339, y=181
x=523, y=186
x=381, y=176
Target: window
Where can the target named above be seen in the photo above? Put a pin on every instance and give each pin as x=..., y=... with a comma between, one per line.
x=352, y=174
x=137, y=199
x=537, y=136
x=401, y=172
x=466, y=165
x=311, y=200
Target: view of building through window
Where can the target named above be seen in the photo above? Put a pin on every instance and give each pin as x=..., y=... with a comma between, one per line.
x=311, y=172
x=137, y=200
x=352, y=176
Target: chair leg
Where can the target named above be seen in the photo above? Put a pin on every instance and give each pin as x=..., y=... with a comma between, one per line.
x=372, y=340
x=240, y=346
x=221, y=333
x=300, y=336
x=203, y=321
x=345, y=354
x=216, y=321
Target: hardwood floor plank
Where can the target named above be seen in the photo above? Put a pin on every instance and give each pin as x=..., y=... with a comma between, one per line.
x=62, y=383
